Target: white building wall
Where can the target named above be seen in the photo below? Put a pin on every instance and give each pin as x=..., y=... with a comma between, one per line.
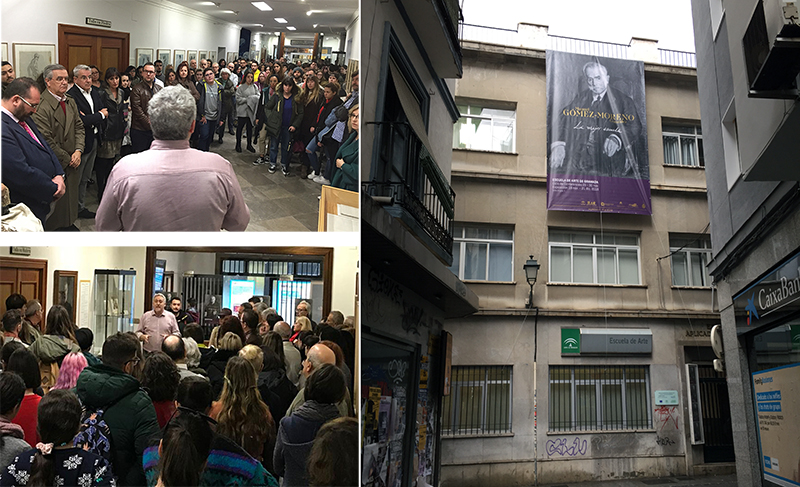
x=151, y=24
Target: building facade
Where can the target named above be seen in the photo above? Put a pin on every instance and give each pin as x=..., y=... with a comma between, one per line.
x=747, y=80
x=592, y=379
x=407, y=205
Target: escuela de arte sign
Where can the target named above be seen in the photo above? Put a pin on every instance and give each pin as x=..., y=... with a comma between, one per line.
x=772, y=297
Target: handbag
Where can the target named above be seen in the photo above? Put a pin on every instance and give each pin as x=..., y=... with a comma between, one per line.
x=341, y=113
x=297, y=146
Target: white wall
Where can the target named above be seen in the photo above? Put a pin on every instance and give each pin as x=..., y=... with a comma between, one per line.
x=345, y=273
x=354, y=34
x=85, y=260
x=156, y=24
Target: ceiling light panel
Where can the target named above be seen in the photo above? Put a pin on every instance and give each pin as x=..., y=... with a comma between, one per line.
x=262, y=6
x=281, y=20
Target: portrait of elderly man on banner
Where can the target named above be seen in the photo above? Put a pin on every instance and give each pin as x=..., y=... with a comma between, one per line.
x=596, y=135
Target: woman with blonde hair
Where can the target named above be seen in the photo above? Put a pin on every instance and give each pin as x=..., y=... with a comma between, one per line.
x=301, y=323
x=229, y=346
x=241, y=414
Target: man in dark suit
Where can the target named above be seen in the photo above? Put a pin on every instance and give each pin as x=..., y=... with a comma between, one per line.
x=598, y=132
x=92, y=113
x=31, y=170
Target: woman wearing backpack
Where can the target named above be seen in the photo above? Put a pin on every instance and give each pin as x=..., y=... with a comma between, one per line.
x=54, y=461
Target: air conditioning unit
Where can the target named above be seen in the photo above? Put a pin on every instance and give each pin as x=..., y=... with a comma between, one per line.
x=771, y=46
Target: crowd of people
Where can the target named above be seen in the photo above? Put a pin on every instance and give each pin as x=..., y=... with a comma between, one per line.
x=257, y=402
x=69, y=129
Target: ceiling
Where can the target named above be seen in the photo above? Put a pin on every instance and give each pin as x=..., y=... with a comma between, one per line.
x=329, y=15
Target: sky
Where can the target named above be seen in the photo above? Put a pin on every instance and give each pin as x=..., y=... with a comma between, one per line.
x=669, y=22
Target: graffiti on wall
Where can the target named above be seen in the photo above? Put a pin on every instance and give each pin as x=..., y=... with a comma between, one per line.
x=563, y=448
x=666, y=417
x=664, y=441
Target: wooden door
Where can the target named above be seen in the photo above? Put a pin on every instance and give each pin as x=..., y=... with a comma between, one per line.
x=24, y=276
x=99, y=47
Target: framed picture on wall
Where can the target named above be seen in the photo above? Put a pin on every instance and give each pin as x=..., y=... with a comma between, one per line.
x=144, y=56
x=5, y=51
x=232, y=56
x=220, y=54
x=212, y=56
x=202, y=55
x=179, y=57
x=164, y=56
x=191, y=55
x=65, y=292
x=30, y=59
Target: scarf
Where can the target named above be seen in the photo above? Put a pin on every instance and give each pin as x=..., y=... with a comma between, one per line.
x=315, y=411
x=7, y=428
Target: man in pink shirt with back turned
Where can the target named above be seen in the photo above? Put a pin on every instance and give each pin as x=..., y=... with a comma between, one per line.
x=156, y=325
x=172, y=187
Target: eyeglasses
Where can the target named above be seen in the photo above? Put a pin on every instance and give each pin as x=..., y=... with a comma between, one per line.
x=148, y=71
x=354, y=116
x=134, y=360
x=29, y=103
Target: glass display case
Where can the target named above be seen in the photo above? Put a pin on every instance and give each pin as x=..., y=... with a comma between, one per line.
x=113, y=302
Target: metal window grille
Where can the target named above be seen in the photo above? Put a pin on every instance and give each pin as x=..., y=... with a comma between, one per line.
x=479, y=401
x=589, y=398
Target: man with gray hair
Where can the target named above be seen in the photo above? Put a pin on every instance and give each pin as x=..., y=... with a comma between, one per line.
x=92, y=112
x=291, y=354
x=172, y=187
x=156, y=325
x=58, y=119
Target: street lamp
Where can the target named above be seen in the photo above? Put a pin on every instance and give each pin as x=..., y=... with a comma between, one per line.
x=531, y=271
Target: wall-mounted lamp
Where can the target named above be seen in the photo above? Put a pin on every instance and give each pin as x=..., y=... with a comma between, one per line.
x=531, y=272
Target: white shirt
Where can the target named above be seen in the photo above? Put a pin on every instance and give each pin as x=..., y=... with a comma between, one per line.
x=159, y=82
x=88, y=96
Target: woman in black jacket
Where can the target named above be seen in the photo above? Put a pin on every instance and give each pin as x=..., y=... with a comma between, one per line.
x=114, y=99
x=283, y=116
x=331, y=101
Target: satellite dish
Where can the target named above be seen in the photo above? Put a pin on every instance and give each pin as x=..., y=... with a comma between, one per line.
x=716, y=341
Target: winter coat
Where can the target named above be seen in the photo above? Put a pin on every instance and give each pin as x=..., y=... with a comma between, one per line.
x=346, y=177
x=115, y=122
x=295, y=438
x=274, y=384
x=11, y=442
x=216, y=369
x=51, y=350
x=273, y=117
x=131, y=419
x=228, y=92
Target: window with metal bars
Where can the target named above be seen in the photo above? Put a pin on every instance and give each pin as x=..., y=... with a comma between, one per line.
x=586, y=398
x=479, y=401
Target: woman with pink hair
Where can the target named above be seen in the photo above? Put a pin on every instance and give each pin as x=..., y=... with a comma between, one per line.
x=71, y=368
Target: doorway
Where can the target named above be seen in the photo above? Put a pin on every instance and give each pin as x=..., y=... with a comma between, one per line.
x=24, y=276
x=85, y=45
x=718, y=446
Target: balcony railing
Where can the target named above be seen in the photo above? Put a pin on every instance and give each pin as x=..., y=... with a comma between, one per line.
x=509, y=37
x=412, y=179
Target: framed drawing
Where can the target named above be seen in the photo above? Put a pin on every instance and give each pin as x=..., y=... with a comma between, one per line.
x=191, y=55
x=164, y=56
x=144, y=56
x=202, y=55
x=30, y=59
x=65, y=292
x=220, y=54
x=5, y=51
x=180, y=57
x=212, y=56
x=232, y=56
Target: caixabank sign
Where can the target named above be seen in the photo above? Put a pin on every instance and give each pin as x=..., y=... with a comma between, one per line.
x=617, y=341
x=769, y=299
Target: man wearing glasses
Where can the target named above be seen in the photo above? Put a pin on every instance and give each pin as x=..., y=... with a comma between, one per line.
x=141, y=133
x=59, y=121
x=31, y=170
x=155, y=325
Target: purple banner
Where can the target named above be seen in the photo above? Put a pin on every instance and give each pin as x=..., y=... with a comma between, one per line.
x=596, y=135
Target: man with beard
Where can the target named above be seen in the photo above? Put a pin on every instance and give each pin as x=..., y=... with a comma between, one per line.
x=182, y=317
x=155, y=325
x=31, y=170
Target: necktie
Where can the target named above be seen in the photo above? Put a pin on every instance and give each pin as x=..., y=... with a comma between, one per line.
x=63, y=106
x=28, y=129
